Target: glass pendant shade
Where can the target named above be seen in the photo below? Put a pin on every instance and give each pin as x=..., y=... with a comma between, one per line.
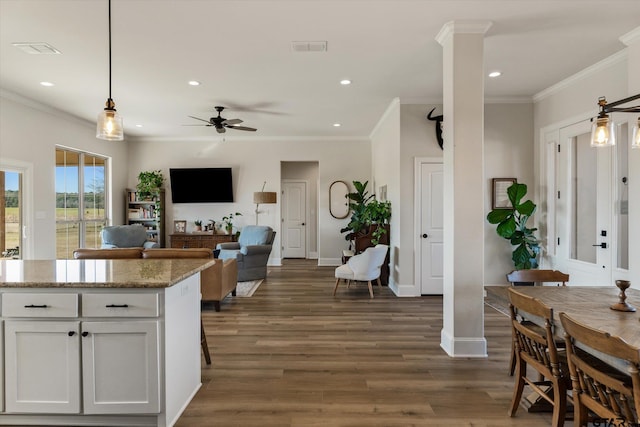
x=110, y=126
x=603, y=132
x=635, y=141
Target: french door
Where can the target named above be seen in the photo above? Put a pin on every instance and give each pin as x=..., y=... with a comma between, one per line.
x=584, y=207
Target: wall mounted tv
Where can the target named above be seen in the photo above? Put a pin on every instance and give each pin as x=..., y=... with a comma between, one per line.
x=201, y=185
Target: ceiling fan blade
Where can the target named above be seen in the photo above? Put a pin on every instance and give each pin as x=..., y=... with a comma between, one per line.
x=198, y=118
x=220, y=129
x=243, y=128
x=232, y=122
x=199, y=125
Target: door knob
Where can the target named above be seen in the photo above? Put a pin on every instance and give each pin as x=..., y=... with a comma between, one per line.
x=303, y=223
x=425, y=235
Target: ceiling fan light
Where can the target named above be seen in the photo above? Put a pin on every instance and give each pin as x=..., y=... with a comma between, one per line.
x=603, y=132
x=110, y=126
x=635, y=141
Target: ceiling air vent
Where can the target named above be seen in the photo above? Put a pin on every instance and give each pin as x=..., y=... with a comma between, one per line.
x=309, y=46
x=37, y=48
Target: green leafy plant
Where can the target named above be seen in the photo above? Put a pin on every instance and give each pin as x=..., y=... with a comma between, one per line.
x=228, y=221
x=198, y=222
x=366, y=211
x=149, y=183
x=512, y=225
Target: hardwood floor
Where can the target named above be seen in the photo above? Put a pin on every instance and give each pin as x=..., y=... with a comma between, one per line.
x=294, y=355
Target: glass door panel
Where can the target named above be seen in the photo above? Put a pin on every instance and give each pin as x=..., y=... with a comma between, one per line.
x=584, y=197
x=10, y=214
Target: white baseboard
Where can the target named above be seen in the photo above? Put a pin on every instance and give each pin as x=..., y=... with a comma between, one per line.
x=463, y=347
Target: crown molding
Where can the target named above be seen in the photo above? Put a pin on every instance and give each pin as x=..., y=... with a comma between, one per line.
x=598, y=66
x=395, y=102
x=462, y=26
x=632, y=37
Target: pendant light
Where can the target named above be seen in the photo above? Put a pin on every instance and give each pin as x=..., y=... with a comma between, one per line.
x=109, y=121
x=603, y=128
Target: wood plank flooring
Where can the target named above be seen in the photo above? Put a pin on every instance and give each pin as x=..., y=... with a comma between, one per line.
x=294, y=355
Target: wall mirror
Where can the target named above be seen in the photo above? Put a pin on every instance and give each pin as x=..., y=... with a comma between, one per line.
x=338, y=202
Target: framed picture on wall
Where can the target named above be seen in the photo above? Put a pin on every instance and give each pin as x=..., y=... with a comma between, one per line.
x=180, y=226
x=500, y=198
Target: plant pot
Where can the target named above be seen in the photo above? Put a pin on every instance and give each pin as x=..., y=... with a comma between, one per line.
x=198, y=228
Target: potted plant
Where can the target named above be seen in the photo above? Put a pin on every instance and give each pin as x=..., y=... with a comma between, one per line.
x=149, y=183
x=369, y=215
x=198, y=224
x=512, y=225
x=228, y=221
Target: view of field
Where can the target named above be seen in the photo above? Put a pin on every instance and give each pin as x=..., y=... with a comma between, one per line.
x=67, y=233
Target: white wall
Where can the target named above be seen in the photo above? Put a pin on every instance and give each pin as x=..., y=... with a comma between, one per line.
x=29, y=133
x=253, y=162
x=508, y=153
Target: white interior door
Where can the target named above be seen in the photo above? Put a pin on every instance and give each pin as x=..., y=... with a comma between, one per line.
x=429, y=262
x=584, y=206
x=294, y=219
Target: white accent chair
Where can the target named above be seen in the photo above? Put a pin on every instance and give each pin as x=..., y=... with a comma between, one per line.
x=363, y=267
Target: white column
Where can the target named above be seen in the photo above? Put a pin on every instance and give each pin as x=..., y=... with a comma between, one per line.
x=464, y=188
x=632, y=40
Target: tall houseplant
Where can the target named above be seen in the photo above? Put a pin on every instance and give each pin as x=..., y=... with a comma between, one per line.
x=366, y=212
x=512, y=225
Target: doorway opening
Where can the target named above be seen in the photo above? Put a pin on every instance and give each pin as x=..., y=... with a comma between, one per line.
x=299, y=209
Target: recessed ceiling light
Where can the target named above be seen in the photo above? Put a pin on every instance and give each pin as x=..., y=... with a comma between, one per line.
x=345, y=82
x=138, y=126
x=337, y=125
x=194, y=83
x=47, y=84
x=495, y=74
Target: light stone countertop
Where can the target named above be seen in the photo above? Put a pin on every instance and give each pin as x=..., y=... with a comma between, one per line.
x=117, y=273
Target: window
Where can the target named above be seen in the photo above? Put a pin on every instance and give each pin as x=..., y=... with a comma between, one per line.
x=81, y=203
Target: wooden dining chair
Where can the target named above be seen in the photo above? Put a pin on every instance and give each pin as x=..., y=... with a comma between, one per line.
x=537, y=276
x=598, y=388
x=533, y=276
x=535, y=346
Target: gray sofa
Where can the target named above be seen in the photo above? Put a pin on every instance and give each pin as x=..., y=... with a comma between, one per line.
x=126, y=236
x=251, y=251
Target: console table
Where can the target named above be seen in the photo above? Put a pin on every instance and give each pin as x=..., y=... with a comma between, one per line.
x=199, y=240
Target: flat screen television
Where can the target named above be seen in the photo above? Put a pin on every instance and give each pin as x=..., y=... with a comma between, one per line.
x=201, y=185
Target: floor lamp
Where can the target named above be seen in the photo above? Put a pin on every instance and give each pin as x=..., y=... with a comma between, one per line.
x=264, y=197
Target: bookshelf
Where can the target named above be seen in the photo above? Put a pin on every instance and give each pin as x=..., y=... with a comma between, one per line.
x=148, y=213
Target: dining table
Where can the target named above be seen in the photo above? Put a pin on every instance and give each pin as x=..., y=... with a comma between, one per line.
x=589, y=305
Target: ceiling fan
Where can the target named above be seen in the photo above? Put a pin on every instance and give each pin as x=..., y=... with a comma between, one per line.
x=221, y=123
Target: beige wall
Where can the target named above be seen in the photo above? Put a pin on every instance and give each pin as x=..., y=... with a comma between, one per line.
x=29, y=134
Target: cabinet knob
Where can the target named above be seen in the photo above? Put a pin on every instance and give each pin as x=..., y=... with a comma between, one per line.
x=85, y=333
x=71, y=333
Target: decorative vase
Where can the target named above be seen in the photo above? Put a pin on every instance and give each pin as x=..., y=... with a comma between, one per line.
x=198, y=228
x=229, y=229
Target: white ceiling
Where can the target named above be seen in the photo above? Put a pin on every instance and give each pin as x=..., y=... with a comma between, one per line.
x=241, y=52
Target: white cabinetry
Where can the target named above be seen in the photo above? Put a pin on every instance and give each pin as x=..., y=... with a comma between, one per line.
x=42, y=366
x=120, y=367
x=113, y=363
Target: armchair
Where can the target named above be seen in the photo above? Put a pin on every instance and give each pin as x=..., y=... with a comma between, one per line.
x=364, y=267
x=126, y=236
x=251, y=251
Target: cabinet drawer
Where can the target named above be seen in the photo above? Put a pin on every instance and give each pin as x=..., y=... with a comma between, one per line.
x=39, y=305
x=120, y=305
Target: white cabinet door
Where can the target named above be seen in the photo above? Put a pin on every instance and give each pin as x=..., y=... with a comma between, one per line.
x=120, y=367
x=42, y=366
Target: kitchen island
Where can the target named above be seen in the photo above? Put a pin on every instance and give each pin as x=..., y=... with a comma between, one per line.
x=99, y=342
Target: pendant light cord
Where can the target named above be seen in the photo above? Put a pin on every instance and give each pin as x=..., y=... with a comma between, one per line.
x=109, y=49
